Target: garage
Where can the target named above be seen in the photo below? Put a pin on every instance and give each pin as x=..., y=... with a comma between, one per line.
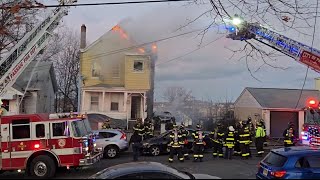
x=279, y=121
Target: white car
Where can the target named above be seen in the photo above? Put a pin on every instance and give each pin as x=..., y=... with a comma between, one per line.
x=111, y=141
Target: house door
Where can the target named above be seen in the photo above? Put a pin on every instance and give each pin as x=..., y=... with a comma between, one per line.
x=135, y=107
x=279, y=122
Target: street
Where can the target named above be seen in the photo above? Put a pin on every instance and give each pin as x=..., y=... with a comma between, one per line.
x=225, y=169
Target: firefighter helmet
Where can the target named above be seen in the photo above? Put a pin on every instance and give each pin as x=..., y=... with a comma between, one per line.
x=198, y=126
x=244, y=123
x=231, y=128
x=290, y=125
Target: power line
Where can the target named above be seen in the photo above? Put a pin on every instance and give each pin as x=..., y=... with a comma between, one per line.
x=140, y=45
x=94, y=4
x=200, y=47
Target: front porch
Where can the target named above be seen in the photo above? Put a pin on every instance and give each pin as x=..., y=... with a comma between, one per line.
x=115, y=103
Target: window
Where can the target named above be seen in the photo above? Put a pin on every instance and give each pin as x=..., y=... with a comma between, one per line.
x=130, y=176
x=116, y=71
x=115, y=102
x=40, y=131
x=158, y=175
x=95, y=69
x=313, y=161
x=94, y=103
x=138, y=66
x=59, y=129
x=275, y=160
x=21, y=129
x=103, y=135
x=114, y=106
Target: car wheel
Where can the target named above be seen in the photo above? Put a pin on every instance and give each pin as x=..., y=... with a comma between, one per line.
x=110, y=152
x=155, y=151
x=43, y=167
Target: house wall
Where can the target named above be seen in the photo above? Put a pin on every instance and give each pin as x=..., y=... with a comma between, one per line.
x=46, y=97
x=246, y=105
x=137, y=80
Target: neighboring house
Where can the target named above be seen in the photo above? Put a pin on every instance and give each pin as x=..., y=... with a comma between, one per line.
x=275, y=106
x=40, y=95
x=117, y=80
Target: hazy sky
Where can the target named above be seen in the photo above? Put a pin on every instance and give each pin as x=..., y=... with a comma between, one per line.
x=209, y=72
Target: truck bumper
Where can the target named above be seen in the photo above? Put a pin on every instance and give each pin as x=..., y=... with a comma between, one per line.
x=91, y=160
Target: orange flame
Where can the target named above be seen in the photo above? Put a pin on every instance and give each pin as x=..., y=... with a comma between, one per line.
x=154, y=47
x=117, y=28
x=141, y=50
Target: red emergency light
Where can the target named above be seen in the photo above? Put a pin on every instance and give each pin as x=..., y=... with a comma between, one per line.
x=312, y=103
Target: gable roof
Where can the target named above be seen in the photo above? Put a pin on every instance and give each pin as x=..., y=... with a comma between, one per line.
x=282, y=98
x=42, y=72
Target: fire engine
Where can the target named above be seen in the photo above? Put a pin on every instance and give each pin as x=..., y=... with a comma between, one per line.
x=39, y=143
x=239, y=29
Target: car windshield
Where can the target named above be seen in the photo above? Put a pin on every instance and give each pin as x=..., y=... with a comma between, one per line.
x=274, y=160
x=81, y=128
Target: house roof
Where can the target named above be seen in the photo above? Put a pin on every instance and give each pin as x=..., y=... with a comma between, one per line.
x=42, y=72
x=282, y=98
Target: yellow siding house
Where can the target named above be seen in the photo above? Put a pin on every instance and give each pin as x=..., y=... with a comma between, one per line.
x=117, y=76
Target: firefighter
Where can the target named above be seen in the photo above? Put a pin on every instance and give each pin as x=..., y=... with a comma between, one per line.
x=251, y=131
x=260, y=136
x=175, y=144
x=184, y=134
x=139, y=127
x=147, y=130
x=199, y=144
x=265, y=131
x=237, y=150
x=229, y=142
x=244, y=140
x=289, y=135
x=218, y=141
x=106, y=124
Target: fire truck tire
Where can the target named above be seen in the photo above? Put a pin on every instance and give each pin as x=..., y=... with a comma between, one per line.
x=43, y=167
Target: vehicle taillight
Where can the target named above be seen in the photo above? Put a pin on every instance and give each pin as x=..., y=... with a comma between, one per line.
x=123, y=136
x=278, y=174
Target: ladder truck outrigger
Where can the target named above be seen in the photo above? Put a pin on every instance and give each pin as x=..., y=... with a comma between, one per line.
x=40, y=143
x=239, y=29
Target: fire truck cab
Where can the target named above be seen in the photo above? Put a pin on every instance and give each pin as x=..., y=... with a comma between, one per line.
x=39, y=143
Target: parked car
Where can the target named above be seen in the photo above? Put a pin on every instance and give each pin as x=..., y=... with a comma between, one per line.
x=146, y=170
x=111, y=141
x=159, y=144
x=299, y=162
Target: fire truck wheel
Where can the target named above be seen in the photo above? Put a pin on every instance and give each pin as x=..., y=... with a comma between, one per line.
x=43, y=167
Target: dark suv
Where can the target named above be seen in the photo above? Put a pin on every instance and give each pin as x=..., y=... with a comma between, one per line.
x=159, y=145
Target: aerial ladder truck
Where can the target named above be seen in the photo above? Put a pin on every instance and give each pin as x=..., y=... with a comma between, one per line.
x=240, y=29
x=32, y=44
x=39, y=143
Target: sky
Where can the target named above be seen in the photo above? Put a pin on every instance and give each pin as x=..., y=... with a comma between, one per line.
x=212, y=72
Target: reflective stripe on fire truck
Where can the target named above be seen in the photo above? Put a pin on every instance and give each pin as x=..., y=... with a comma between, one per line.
x=26, y=154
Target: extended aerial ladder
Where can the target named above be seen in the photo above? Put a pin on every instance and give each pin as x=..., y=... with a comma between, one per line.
x=20, y=56
x=242, y=30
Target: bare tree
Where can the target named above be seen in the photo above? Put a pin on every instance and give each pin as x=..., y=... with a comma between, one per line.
x=281, y=16
x=67, y=65
x=15, y=22
x=177, y=93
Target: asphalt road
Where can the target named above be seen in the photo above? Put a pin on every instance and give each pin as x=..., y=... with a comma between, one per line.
x=225, y=169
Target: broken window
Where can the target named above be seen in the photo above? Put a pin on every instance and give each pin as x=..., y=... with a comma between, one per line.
x=95, y=69
x=94, y=103
x=138, y=66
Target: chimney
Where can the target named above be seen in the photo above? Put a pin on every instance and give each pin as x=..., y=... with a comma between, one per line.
x=83, y=39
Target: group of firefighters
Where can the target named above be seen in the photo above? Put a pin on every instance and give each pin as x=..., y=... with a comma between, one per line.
x=236, y=140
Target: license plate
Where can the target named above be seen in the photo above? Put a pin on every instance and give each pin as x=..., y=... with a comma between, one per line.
x=265, y=172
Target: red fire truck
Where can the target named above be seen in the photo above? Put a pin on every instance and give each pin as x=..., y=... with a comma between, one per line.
x=40, y=143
